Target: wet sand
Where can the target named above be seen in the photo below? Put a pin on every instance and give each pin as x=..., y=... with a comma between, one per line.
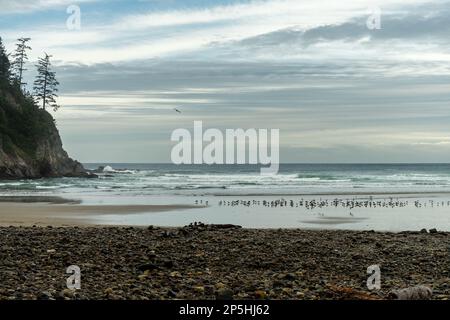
x=61, y=212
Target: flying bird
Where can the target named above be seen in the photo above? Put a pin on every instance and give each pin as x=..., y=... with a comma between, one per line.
x=177, y=110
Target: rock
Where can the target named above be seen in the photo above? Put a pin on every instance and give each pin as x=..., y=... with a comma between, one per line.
x=412, y=293
x=172, y=294
x=51, y=251
x=98, y=170
x=220, y=285
x=143, y=276
x=45, y=295
x=224, y=226
x=423, y=230
x=168, y=234
x=290, y=277
x=67, y=293
x=36, y=152
x=260, y=294
x=209, y=290
x=224, y=294
x=199, y=289
x=234, y=264
x=175, y=274
x=108, y=291
x=185, y=232
x=147, y=266
x=167, y=264
x=434, y=230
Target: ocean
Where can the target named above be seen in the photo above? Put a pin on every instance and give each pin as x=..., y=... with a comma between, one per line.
x=239, y=194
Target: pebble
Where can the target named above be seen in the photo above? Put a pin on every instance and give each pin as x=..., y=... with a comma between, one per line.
x=108, y=291
x=45, y=295
x=67, y=293
x=199, y=289
x=224, y=294
x=260, y=294
x=216, y=262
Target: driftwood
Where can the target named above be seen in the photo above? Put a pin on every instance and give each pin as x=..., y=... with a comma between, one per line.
x=413, y=293
x=346, y=293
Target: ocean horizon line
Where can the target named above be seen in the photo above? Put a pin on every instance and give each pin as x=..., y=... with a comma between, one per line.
x=281, y=163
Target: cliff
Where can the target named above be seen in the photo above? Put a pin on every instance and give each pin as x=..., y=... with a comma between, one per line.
x=30, y=145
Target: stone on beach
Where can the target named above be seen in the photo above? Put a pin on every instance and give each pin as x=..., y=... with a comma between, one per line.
x=412, y=293
x=217, y=263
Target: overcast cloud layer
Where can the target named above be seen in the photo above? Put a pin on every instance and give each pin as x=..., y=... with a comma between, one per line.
x=338, y=91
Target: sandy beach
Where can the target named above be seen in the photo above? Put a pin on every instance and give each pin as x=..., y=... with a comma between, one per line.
x=56, y=211
x=42, y=236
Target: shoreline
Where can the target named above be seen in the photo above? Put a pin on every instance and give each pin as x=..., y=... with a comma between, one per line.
x=218, y=262
x=38, y=199
x=68, y=213
x=58, y=211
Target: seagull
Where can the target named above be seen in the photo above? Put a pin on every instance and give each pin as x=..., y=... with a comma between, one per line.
x=177, y=110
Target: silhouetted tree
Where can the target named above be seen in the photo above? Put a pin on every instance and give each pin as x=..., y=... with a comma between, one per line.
x=46, y=85
x=4, y=62
x=20, y=57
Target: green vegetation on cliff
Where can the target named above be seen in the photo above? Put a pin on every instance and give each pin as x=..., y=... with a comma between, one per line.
x=30, y=145
x=22, y=123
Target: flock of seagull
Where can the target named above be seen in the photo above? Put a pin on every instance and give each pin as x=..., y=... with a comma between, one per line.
x=312, y=204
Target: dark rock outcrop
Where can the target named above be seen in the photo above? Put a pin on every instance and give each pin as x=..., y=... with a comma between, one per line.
x=30, y=144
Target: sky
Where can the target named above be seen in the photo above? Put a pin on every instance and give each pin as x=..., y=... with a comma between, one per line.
x=338, y=90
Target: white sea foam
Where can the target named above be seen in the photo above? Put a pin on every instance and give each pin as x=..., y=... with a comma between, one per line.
x=295, y=179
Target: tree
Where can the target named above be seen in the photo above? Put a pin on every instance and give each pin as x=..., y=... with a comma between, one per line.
x=46, y=85
x=4, y=62
x=20, y=57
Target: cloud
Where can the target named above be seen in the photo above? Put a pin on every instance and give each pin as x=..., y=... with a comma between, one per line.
x=305, y=14
x=26, y=6
x=334, y=88
x=427, y=25
x=176, y=32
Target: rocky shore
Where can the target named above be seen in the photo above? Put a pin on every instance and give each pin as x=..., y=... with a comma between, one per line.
x=30, y=143
x=217, y=262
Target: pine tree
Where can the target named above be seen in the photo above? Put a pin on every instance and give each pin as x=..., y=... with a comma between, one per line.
x=46, y=85
x=4, y=62
x=20, y=57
